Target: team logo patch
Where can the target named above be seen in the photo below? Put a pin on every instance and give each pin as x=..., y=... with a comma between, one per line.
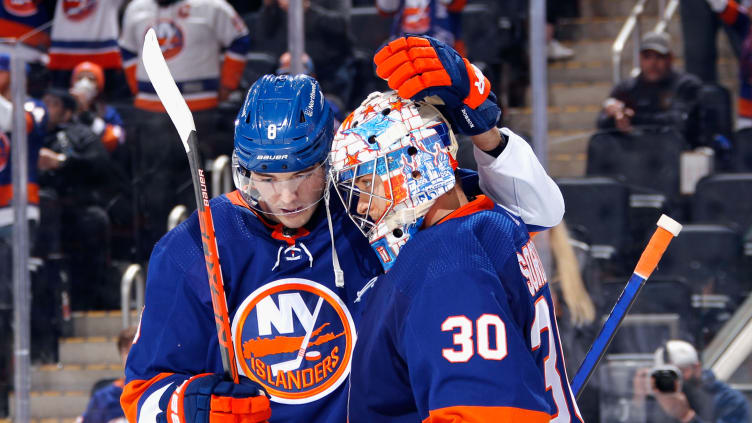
x=20, y=7
x=77, y=10
x=170, y=37
x=4, y=151
x=295, y=337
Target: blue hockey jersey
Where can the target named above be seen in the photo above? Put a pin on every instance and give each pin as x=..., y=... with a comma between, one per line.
x=278, y=287
x=462, y=328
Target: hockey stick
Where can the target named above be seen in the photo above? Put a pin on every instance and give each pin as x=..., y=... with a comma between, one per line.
x=667, y=229
x=180, y=114
x=293, y=364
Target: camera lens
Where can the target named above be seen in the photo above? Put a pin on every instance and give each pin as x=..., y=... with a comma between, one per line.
x=665, y=380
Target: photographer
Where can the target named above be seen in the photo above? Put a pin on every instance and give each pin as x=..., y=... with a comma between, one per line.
x=677, y=389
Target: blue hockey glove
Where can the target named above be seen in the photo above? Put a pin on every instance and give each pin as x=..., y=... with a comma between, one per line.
x=209, y=398
x=421, y=66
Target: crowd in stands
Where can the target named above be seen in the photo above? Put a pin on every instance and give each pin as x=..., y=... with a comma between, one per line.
x=106, y=167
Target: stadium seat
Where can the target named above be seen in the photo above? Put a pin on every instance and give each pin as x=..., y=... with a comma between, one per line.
x=646, y=157
x=708, y=257
x=743, y=150
x=715, y=112
x=659, y=297
x=601, y=206
x=724, y=199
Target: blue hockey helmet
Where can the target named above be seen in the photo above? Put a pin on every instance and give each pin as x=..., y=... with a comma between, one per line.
x=285, y=125
x=283, y=134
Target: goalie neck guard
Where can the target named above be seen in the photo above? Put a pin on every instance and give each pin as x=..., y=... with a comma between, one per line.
x=283, y=133
x=391, y=159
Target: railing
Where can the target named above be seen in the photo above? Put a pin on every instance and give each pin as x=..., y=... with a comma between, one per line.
x=221, y=176
x=177, y=215
x=632, y=27
x=134, y=275
x=733, y=343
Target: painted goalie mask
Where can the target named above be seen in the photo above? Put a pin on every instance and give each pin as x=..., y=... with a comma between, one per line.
x=391, y=159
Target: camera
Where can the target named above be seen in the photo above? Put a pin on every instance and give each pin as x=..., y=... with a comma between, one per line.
x=666, y=378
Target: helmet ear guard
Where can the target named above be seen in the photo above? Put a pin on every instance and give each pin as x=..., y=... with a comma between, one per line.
x=409, y=150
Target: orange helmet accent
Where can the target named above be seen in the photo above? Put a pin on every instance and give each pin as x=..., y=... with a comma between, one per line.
x=94, y=69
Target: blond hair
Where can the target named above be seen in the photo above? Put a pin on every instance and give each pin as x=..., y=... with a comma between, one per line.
x=576, y=297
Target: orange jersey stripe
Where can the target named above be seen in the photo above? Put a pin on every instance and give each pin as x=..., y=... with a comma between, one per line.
x=32, y=194
x=130, y=77
x=457, y=6
x=64, y=61
x=11, y=29
x=480, y=414
x=232, y=71
x=745, y=107
x=480, y=203
x=730, y=13
x=132, y=393
x=194, y=105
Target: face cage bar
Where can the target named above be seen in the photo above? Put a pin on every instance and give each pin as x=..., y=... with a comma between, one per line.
x=363, y=223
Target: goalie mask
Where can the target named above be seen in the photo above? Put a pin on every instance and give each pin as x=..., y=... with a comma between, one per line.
x=391, y=159
x=283, y=133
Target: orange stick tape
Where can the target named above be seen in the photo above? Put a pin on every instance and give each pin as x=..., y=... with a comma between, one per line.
x=667, y=229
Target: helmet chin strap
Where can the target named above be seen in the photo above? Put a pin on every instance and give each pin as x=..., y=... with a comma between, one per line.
x=339, y=275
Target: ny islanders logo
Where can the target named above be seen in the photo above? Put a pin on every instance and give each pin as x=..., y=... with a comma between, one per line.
x=77, y=10
x=20, y=7
x=170, y=37
x=4, y=151
x=295, y=337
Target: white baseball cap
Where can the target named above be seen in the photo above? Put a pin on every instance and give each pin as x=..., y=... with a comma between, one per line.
x=676, y=352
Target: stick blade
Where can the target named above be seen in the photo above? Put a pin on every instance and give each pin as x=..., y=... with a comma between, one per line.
x=167, y=90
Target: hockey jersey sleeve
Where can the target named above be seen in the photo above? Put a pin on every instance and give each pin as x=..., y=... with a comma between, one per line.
x=129, y=47
x=232, y=33
x=176, y=338
x=473, y=362
x=735, y=16
x=518, y=182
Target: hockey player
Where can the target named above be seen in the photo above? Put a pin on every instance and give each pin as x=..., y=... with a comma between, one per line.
x=293, y=312
x=462, y=327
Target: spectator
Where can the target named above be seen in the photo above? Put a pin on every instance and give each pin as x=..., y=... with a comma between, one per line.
x=86, y=31
x=555, y=50
x=18, y=18
x=575, y=315
x=87, y=83
x=284, y=65
x=35, y=132
x=192, y=34
x=104, y=405
x=737, y=20
x=328, y=42
x=335, y=103
x=440, y=19
x=698, y=397
x=657, y=96
x=75, y=164
x=497, y=44
x=700, y=26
